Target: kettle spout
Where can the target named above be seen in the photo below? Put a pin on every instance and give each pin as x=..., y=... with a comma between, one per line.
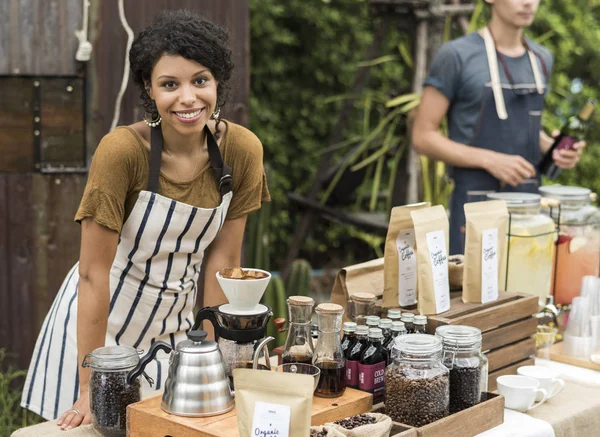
x=262, y=346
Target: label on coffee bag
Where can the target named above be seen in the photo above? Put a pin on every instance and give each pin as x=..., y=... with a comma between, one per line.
x=271, y=420
x=489, y=265
x=407, y=268
x=371, y=377
x=436, y=244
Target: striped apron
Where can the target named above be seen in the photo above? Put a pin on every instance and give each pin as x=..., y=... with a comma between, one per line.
x=153, y=284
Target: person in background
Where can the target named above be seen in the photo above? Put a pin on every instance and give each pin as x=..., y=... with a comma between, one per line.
x=163, y=195
x=491, y=86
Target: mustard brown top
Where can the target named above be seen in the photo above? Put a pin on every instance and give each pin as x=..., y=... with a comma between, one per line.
x=120, y=167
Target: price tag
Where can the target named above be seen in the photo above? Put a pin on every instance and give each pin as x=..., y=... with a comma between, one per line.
x=271, y=420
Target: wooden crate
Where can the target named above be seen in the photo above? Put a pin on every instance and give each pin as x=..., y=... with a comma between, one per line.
x=147, y=419
x=466, y=423
x=507, y=326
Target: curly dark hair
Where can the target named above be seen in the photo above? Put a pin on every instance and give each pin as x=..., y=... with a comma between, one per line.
x=184, y=33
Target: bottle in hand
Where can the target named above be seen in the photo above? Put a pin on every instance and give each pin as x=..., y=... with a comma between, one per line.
x=572, y=132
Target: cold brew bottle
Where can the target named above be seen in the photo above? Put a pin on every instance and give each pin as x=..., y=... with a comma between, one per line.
x=354, y=353
x=371, y=369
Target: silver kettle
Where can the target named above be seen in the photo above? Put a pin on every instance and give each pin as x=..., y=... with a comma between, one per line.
x=197, y=384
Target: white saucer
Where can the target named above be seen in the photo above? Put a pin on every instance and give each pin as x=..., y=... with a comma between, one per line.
x=230, y=309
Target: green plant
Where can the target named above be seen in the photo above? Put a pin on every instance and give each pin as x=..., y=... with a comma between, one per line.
x=298, y=280
x=12, y=416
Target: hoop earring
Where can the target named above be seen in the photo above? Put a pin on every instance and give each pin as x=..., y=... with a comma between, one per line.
x=153, y=123
x=216, y=113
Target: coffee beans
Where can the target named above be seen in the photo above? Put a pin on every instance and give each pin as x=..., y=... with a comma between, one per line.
x=415, y=396
x=109, y=396
x=465, y=387
x=315, y=433
x=356, y=421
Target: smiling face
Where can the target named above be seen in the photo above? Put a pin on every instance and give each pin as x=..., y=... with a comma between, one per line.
x=185, y=93
x=516, y=13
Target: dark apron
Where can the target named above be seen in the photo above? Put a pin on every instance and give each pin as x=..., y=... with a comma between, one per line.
x=504, y=136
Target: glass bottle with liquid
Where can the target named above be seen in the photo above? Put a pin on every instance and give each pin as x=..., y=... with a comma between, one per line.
x=299, y=347
x=354, y=353
x=349, y=337
x=407, y=319
x=386, y=328
x=394, y=315
x=420, y=324
x=371, y=369
x=372, y=321
x=398, y=329
x=329, y=357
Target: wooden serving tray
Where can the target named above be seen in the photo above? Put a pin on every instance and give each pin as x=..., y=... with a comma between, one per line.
x=147, y=419
x=557, y=355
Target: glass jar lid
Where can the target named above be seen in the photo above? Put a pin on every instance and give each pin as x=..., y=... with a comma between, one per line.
x=417, y=345
x=363, y=297
x=301, y=300
x=564, y=192
x=115, y=357
x=516, y=200
x=330, y=308
x=459, y=336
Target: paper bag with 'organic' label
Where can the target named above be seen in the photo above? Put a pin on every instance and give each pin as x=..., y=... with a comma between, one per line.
x=431, y=232
x=284, y=402
x=485, y=248
x=400, y=265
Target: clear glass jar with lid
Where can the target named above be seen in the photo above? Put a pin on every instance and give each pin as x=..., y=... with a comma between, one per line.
x=329, y=357
x=468, y=366
x=578, y=245
x=299, y=346
x=361, y=306
x=531, y=235
x=417, y=383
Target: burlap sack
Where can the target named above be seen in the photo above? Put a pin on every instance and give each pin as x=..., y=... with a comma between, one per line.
x=366, y=277
x=330, y=432
x=381, y=428
x=50, y=429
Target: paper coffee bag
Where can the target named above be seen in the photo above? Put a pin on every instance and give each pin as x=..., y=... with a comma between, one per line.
x=485, y=250
x=431, y=232
x=400, y=261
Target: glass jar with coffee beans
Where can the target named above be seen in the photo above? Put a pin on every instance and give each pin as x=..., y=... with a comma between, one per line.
x=115, y=383
x=468, y=366
x=417, y=382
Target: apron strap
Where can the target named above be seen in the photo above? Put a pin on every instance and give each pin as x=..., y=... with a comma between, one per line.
x=492, y=58
x=222, y=171
x=539, y=84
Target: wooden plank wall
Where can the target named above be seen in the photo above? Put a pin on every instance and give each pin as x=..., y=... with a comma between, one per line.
x=38, y=240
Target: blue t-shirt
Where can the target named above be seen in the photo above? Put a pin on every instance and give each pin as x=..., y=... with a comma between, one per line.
x=460, y=71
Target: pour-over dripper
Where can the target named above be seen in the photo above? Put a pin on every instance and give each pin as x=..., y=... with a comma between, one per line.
x=244, y=294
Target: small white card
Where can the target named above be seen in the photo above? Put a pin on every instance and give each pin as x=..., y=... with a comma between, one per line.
x=436, y=243
x=489, y=265
x=407, y=268
x=271, y=420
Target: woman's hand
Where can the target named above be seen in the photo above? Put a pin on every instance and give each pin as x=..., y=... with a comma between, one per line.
x=78, y=414
x=509, y=169
x=568, y=158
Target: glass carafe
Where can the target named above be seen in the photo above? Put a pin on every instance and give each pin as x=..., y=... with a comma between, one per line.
x=468, y=366
x=578, y=244
x=329, y=357
x=361, y=306
x=299, y=346
x=528, y=266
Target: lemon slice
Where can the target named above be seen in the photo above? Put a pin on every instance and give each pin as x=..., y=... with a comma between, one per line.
x=576, y=244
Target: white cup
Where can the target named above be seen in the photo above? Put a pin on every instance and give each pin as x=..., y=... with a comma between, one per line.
x=547, y=378
x=520, y=392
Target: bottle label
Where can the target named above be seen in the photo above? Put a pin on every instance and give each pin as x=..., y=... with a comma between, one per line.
x=371, y=377
x=566, y=143
x=352, y=373
x=407, y=268
x=489, y=265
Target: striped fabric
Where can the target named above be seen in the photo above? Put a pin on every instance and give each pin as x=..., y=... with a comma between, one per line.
x=152, y=295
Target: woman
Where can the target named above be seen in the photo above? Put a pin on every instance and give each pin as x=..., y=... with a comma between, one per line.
x=159, y=198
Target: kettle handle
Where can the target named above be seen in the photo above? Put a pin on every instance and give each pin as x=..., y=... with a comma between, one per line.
x=205, y=313
x=141, y=365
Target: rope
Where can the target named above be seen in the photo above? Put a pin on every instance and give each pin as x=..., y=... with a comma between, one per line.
x=84, y=50
x=126, y=67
